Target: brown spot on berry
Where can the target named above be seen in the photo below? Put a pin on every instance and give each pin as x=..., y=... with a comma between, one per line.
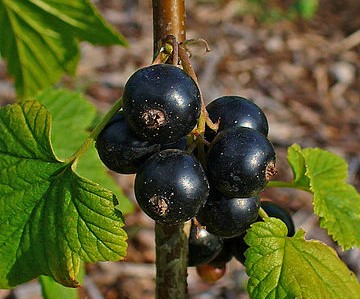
x=270, y=171
x=160, y=205
x=154, y=118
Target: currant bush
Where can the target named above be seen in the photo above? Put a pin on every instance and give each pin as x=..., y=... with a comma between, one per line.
x=154, y=137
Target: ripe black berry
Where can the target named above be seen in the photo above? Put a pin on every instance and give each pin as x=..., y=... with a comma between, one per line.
x=238, y=247
x=203, y=246
x=240, y=161
x=228, y=217
x=161, y=103
x=235, y=111
x=224, y=256
x=180, y=144
x=171, y=186
x=120, y=149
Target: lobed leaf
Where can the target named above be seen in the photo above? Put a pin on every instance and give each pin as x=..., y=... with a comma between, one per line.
x=50, y=217
x=335, y=201
x=72, y=116
x=39, y=39
x=282, y=267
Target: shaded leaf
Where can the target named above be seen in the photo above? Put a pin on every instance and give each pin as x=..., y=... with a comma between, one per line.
x=39, y=39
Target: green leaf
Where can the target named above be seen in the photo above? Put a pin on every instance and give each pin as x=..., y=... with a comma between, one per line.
x=50, y=289
x=72, y=116
x=282, y=267
x=39, y=39
x=298, y=167
x=50, y=217
x=306, y=8
x=335, y=201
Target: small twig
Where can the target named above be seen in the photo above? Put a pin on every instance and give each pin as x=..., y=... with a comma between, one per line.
x=193, y=41
x=204, y=116
x=348, y=42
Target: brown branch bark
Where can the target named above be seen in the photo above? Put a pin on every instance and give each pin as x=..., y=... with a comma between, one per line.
x=171, y=241
x=168, y=19
x=171, y=261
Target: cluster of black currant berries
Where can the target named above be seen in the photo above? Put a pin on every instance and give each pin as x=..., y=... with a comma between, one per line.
x=150, y=136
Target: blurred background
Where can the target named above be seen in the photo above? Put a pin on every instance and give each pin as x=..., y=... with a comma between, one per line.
x=298, y=60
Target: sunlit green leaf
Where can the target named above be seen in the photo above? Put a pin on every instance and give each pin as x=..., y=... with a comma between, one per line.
x=335, y=201
x=50, y=218
x=282, y=267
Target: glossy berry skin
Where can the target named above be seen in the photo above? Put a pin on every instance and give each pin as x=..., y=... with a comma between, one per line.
x=171, y=186
x=161, y=103
x=210, y=274
x=203, y=246
x=120, y=149
x=274, y=210
x=235, y=111
x=240, y=161
x=228, y=217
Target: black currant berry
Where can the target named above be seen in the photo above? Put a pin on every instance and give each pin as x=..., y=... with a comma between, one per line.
x=203, y=246
x=120, y=149
x=235, y=111
x=238, y=247
x=224, y=256
x=228, y=217
x=274, y=210
x=171, y=186
x=180, y=144
x=240, y=161
x=161, y=103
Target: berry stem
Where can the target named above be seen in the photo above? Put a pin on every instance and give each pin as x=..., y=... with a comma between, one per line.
x=262, y=213
x=281, y=184
x=204, y=118
x=93, y=135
